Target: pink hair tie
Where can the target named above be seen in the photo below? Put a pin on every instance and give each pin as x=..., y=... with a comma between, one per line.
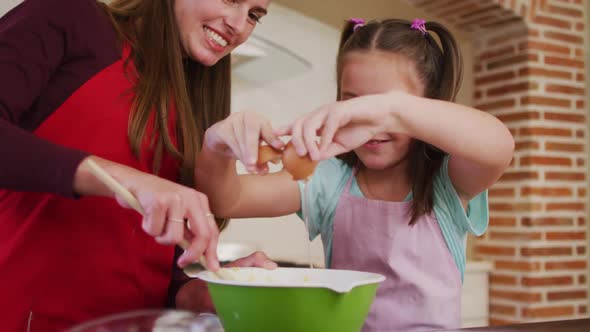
x=420, y=25
x=358, y=23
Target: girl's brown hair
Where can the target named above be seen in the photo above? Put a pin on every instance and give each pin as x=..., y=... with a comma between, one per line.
x=164, y=79
x=440, y=72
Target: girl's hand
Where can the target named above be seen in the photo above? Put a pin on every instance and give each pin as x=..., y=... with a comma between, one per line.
x=343, y=126
x=172, y=212
x=238, y=137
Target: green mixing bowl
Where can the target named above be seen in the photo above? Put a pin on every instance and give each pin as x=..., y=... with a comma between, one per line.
x=292, y=299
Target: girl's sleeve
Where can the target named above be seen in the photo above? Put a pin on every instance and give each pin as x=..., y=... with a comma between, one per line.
x=446, y=199
x=324, y=191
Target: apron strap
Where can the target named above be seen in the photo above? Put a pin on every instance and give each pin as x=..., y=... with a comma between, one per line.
x=349, y=182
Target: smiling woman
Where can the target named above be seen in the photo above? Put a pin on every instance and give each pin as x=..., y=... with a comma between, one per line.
x=210, y=30
x=131, y=85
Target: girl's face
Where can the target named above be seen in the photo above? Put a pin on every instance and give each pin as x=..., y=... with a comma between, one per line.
x=211, y=29
x=375, y=72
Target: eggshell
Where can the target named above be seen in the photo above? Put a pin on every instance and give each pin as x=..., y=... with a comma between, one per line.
x=300, y=168
x=267, y=154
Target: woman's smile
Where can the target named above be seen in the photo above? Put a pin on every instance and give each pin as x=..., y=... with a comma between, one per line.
x=215, y=39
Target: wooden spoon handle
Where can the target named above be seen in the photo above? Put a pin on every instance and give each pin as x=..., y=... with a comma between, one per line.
x=121, y=191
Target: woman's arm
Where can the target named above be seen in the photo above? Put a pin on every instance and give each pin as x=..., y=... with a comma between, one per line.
x=243, y=196
x=36, y=39
x=33, y=38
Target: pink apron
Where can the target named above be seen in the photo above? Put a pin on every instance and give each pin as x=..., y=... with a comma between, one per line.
x=422, y=290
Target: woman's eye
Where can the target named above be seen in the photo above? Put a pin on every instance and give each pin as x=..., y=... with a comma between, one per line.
x=254, y=17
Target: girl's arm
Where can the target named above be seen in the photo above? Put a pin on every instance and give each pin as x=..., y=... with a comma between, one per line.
x=243, y=196
x=480, y=145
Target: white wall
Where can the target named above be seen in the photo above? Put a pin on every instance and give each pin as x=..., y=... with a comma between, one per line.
x=6, y=5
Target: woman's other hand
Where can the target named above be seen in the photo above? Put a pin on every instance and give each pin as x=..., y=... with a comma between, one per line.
x=194, y=295
x=171, y=212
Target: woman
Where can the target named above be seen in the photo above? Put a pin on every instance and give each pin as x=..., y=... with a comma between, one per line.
x=132, y=86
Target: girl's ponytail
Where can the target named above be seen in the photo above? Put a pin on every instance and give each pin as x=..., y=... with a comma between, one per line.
x=347, y=31
x=452, y=66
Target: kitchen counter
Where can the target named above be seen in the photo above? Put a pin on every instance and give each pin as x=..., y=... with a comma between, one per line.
x=576, y=325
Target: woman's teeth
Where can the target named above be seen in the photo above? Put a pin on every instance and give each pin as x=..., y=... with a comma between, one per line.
x=214, y=36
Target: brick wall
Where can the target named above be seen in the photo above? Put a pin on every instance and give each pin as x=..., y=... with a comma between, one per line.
x=530, y=73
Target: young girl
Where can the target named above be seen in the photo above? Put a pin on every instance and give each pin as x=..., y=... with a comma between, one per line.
x=410, y=179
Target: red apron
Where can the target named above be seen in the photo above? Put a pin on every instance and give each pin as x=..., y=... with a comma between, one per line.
x=64, y=261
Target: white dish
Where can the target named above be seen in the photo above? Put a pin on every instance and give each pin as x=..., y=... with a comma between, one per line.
x=340, y=281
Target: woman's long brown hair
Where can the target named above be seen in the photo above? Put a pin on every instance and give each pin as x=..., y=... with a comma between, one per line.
x=165, y=79
x=440, y=72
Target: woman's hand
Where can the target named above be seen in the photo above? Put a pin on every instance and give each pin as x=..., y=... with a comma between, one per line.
x=194, y=295
x=238, y=137
x=171, y=212
x=257, y=259
x=342, y=126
